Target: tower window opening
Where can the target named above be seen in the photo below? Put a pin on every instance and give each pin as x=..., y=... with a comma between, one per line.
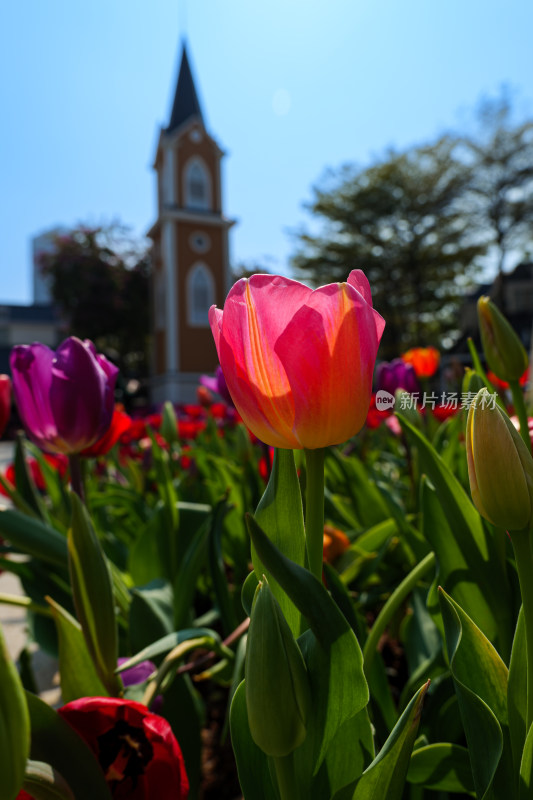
x=197, y=194
x=200, y=295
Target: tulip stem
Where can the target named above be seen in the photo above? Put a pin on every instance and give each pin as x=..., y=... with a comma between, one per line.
x=287, y=786
x=314, y=510
x=391, y=606
x=524, y=563
x=521, y=412
x=76, y=477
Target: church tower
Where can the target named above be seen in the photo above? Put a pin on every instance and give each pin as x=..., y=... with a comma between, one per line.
x=190, y=262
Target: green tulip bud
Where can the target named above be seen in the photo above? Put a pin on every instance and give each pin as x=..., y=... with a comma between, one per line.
x=404, y=403
x=169, y=423
x=503, y=349
x=500, y=468
x=472, y=382
x=276, y=683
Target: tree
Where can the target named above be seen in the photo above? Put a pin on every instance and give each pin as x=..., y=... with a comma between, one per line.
x=400, y=221
x=500, y=193
x=99, y=280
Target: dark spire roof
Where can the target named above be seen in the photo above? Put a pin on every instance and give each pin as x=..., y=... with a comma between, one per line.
x=186, y=103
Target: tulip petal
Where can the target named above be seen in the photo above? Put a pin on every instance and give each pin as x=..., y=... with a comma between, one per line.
x=255, y=314
x=77, y=393
x=359, y=281
x=31, y=367
x=328, y=351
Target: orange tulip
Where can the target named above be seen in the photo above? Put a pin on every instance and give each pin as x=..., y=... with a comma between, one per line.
x=299, y=363
x=335, y=543
x=425, y=360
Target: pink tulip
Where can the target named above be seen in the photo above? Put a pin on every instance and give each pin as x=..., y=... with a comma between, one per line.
x=298, y=363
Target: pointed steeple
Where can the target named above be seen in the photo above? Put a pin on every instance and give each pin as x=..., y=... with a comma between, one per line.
x=186, y=103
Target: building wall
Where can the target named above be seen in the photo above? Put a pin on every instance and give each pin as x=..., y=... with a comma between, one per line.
x=206, y=150
x=197, y=349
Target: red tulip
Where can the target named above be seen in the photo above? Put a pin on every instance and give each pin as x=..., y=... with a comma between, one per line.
x=299, y=363
x=425, y=360
x=376, y=416
x=136, y=749
x=120, y=423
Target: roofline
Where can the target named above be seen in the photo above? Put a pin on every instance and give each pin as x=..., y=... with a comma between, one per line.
x=165, y=136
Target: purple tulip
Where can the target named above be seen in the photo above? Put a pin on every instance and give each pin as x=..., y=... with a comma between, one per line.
x=396, y=375
x=217, y=384
x=65, y=398
x=139, y=674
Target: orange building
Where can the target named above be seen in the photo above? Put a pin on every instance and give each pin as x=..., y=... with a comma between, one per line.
x=190, y=261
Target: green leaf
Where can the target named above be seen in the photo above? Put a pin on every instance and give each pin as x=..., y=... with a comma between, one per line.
x=484, y=564
x=280, y=515
x=24, y=483
x=367, y=500
x=144, y=562
x=480, y=679
x=150, y=614
x=217, y=571
x=248, y=591
x=184, y=710
x=76, y=669
x=187, y=575
x=14, y=727
x=165, y=487
x=93, y=596
x=385, y=777
x=335, y=664
x=525, y=783
x=34, y=537
x=167, y=643
x=252, y=763
x=442, y=767
x=56, y=743
x=43, y=782
x=342, y=770
x=517, y=692
x=456, y=565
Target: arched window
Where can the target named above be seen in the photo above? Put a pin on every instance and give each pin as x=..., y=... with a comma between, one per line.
x=200, y=295
x=197, y=185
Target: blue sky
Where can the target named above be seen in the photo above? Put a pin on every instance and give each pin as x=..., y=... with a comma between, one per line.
x=288, y=88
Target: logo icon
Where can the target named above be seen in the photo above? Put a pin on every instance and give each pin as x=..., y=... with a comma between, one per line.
x=384, y=400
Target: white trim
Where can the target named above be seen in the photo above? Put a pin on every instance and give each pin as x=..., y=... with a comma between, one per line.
x=169, y=177
x=200, y=218
x=169, y=262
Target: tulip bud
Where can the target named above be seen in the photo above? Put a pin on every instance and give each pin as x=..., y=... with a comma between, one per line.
x=407, y=405
x=472, y=382
x=503, y=349
x=500, y=468
x=277, y=687
x=169, y=424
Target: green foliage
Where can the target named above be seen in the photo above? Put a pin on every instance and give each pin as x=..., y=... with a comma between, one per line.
x=100, y=284
x=402, y=222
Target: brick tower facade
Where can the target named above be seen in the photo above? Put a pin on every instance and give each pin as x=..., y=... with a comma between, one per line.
x=190, y=261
